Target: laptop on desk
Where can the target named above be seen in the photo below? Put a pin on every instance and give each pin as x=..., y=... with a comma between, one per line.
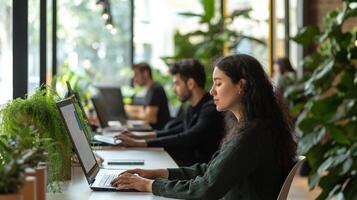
x=101, y=138
x=110, y=107
x=98, y=179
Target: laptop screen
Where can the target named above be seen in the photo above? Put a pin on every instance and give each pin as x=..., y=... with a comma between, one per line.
x=113, y=100
x=76, y=131
x=102, y=113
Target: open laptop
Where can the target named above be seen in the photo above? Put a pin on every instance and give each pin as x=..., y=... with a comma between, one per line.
x=98, y=179
x=113, y=99
x=101, y=137
x=110, y=107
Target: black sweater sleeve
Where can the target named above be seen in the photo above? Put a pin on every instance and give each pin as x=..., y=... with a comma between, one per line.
x=207, y=120
x=172, y=131
x=235, y=162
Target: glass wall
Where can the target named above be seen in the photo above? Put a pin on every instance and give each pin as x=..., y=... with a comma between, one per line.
x=254, y=25
x=89, y=45
x=295, y=11
x=155, y=23
x=279, y=37
x=5, y=50
x=49, y=38
x=33, y=45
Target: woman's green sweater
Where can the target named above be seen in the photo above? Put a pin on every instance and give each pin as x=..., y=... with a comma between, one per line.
x=244, y=168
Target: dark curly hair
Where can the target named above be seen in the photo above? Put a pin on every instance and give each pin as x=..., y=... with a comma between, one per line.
x=259, y=101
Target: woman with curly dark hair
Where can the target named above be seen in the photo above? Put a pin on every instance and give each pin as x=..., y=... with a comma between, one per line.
x=256, y=154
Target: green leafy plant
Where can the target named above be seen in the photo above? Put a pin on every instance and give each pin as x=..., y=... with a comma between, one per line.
x=208, y=45
x=326, y=105
x=15, y=157
x=80, y=82
x=39, y=112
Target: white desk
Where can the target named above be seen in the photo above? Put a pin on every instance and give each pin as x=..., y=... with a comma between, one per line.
x=78, y=188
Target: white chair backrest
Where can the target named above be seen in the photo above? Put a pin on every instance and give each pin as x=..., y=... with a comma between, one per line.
x=283, y=195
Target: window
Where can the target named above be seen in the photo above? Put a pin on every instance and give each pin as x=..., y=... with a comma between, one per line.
x=155, y=23
x=256, y=26
x=295, y=23
x=33, y=45
x=49, y=40
x=5, y=50
x=89, y=46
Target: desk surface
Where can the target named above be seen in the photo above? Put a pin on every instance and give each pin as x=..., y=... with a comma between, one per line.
x=78, y=187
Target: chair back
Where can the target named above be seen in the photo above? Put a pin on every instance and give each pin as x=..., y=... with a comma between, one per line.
x=283, y=195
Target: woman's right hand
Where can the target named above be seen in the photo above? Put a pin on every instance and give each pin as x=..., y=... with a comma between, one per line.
x=149, y=173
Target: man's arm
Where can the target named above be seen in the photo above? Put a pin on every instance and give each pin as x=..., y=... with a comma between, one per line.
x=206, y=127
x=148, y=114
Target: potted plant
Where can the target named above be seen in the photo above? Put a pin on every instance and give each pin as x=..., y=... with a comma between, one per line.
x=327, y=105
x=14, y=159
x=39, y=113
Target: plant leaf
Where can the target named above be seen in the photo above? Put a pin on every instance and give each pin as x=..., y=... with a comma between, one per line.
x=209, y=9
x=306, y=35
x=337, y=134
x=325, y=109
x=241, y=13
x=189, y=14
x=310, y=140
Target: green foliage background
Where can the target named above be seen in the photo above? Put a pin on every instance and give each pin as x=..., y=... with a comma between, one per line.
x=325, y=102
x=208, y=45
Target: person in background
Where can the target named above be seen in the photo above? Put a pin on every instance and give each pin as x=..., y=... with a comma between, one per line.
x=199, y=136
x=156, y=110
x=255, y=157
x=283, y=74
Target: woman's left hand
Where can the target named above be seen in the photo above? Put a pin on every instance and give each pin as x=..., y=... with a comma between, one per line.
x=127, y=181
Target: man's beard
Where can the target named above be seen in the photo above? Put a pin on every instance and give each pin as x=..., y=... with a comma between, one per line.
x=187, y=95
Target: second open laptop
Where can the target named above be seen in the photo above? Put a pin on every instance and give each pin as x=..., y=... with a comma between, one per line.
x=102, y=137
x=98, y=179
x=110, y=107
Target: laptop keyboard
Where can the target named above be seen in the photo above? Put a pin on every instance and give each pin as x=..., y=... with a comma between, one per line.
x=106, y=179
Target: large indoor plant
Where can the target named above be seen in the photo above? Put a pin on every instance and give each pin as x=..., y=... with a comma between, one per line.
x=208, y=43
x=39, y=113
x=326, y=104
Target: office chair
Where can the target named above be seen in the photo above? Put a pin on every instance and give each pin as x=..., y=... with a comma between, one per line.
x=283, y=194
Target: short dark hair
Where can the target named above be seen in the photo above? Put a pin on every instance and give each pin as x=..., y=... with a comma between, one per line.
x=142, y=67
x=284, y=65
x=190, y=68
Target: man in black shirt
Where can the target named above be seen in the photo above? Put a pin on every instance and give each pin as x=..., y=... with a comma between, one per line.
x=155, y=110
x=199, y=136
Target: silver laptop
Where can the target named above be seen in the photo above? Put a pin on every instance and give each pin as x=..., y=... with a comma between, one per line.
x=98, y=179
